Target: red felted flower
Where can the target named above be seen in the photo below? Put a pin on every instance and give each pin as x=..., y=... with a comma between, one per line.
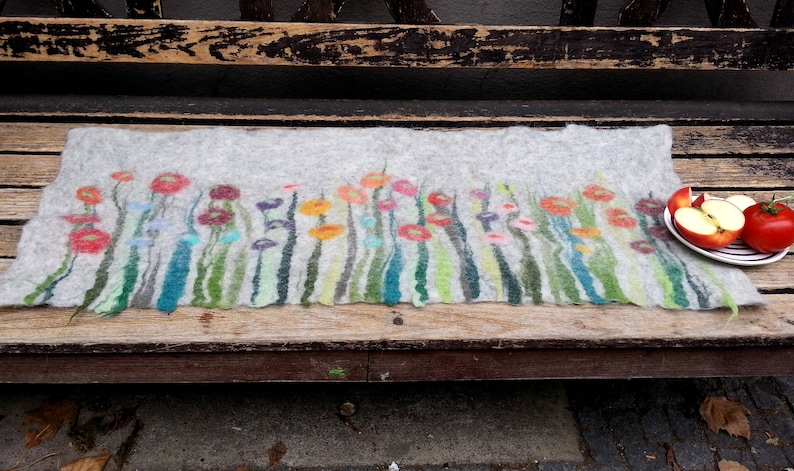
x=89, y=195
x=225, y=193
x=169, y=183
x=91, y=241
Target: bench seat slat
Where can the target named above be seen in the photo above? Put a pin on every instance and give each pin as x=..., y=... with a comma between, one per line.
x=372, y=327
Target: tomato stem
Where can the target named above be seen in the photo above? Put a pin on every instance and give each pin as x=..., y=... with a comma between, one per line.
x=771, y=207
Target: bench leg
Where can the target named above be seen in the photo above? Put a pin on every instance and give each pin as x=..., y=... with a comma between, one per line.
x=411, y=12
x=641, y=12
x=729, y=14
x=256, y=10
x=578, y=12
x=783, y=16
x=81, y=9
x=144, y=9
x=318, y=11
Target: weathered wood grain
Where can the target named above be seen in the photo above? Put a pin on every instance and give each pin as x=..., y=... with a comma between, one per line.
x=372, y=327
x=244, y=43
x=621, y=363
x=184, y=368
x=760, y=140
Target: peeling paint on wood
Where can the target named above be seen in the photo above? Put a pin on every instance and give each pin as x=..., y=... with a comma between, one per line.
x=200, y=42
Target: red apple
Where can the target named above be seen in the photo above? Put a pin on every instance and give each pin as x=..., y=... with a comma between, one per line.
x=741, y=201
x=714, y=225
x=701, y=199
x=682, y=198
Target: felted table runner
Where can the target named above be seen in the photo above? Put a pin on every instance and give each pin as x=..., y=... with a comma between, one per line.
x=225, y=217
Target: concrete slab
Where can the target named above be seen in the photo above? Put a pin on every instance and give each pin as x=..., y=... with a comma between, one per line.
x=299, y=425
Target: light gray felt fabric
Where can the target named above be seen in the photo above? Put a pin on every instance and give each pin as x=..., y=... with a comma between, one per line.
x=405, y=241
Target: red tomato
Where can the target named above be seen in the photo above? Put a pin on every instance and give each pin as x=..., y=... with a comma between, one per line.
x=768, y=227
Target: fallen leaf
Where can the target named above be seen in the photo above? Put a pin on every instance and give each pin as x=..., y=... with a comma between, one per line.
x=276, y=452
x=91, y=463
x=671, y=460
x=722, y=414
x=43, y=423
x=726, y=465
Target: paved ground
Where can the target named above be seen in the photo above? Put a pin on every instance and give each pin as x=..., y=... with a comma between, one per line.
x=489, y=426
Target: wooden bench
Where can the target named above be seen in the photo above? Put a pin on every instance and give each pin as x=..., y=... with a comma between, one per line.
x=720, y=146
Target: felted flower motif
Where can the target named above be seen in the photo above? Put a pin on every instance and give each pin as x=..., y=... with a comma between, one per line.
x=643, y=246
x=159, y=224
x=439, y=219
x=558, y=206
x=367, y=220
x=650, y=206
x=215, y=217
x=372, y=241
x=414, y=232
x=582, y=248
x=122, y=176
x=375, y=180
x=315, y=207
x=505, y=189
x=139, y=205
x=439, y=199
x=191, y=239
x=404, y=187
x=326, y=231
x=598, y=193
x=620, y=218
x=263, y=244
x=352, y=194
x=479, y=194
x=290, y=188
x=487, y=216
x=169, y=183
x=508, y=208
x=225, y=193
x=387, y=204
x=268, y=204
x=232, y=235
x=82, y=218
x=139, y=242
x=496, y=238
x=279, y=224
x=89, y=195
x=660, y=232
x=585, y=232
x=525, y=224
x=90, y=241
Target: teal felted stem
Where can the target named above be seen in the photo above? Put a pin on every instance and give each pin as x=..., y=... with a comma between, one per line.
x=576, y=260
x=42, y=287
x=373, y=294
x=179, y=266
x=312, y=271
x=560, y=276
x=530, y=271
x=727, y=299
x=391, y=280
x=282, y=286
x=352, y=248
x=175, y=277
x=602, y=263
x=472, y=276
x=103, y=272
x=130, y=277
x=215, y=280
x=674, y=271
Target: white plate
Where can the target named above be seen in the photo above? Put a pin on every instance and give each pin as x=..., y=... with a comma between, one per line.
x=738, y=253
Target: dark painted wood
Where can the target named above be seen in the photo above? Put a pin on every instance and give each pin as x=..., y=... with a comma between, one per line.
x=578, y=12
x=256, y=10
x=623, y=363
x=81, y=9
x=783, y=16
x=411, y=12
x=641, y=12
x=189, y=42
x=730, y=14
x=144, y=9
x=184, y=368
x=318, y=11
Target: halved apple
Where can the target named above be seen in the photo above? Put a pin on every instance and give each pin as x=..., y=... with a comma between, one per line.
x=715, y=224
x=680, y=199
x=701, y=199
x=741, y=201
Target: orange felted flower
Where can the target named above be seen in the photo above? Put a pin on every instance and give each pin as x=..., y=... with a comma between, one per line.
x=558, y=206
x=89, y=195
x=315, y=207
x=352, y=194
x=375, y=180
x=598, y=193
x=326, y=231
x=620, y=218
x=585, y=232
